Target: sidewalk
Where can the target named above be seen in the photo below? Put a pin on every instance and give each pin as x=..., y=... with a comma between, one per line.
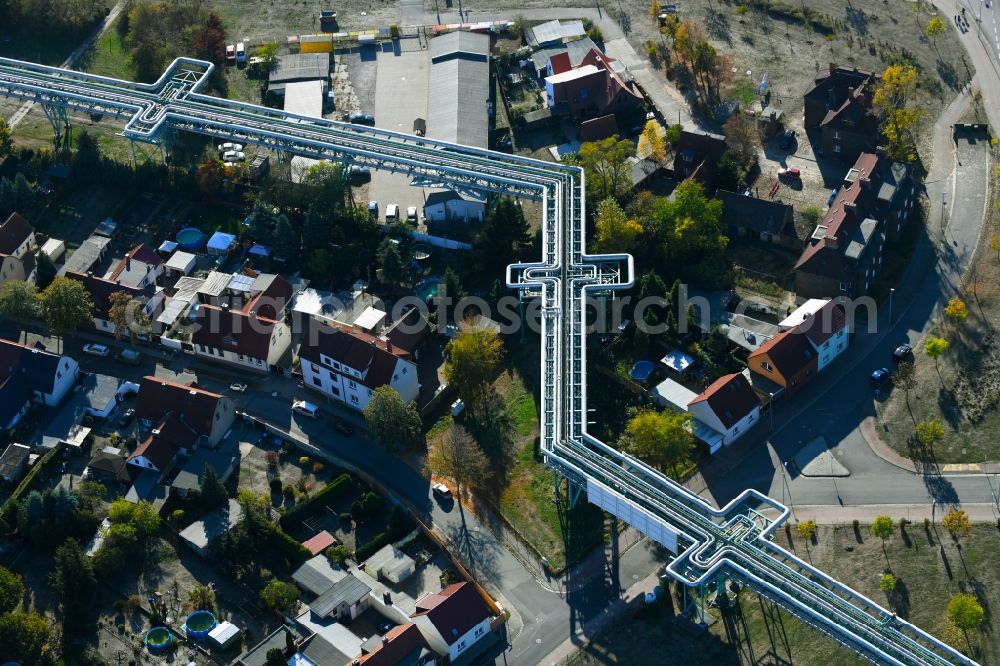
x=843, y=515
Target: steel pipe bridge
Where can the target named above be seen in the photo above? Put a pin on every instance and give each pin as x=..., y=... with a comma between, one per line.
x=711, y=544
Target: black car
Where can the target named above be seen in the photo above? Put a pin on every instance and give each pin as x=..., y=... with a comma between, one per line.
x=362, y=119
x=879, y=377
x=903, y=352
x=126, y=417
x=360, y=175
x=343, y=427
x=787, y=139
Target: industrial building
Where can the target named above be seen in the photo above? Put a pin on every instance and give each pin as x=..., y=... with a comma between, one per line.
x=459, y=90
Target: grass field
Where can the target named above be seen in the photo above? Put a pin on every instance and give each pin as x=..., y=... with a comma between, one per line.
x=929, y=568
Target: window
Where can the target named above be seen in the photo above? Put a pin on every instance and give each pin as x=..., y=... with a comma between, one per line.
x=843, y=286
x=335, y=391
x=479, y=631
x=836, y=134
x=352, y=384
x=404, y=370
x=766, y=366
x=840, y=346
x=836, y=148
x=354, y=399
x=241, y=357
x=317, y=381
x=736, y=430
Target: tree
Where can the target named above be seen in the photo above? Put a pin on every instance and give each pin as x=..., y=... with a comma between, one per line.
x=320, y=263
x=451, y=286
x=741, y=131
x=456, y=455
x=338, y=554
x=887, y=583
x=957, y=523
x=286, y=240
x=504, y=231
x=24, y=193
x=615, y=232
x=275, y=657
x=935, y=347
x=67, y=306
x=607, y=167
x=210, y=42
x=87, y=160
x=905, y=378
x=807, y=529
x=935, y=29
x=213, y=491
x=661, y=438
x=929, y=432
x=316, y=228
x=45, y=270
x=965, y=612
x=472, y=360
x=882, y=528
x=654, y=8
x=390, y=261
x=6, y=138
x=202, y=597
x=995, y=245
x=899, y=113
x=651, y=143
x=279, y=596
x=73, y=577
x=262, y=222
x=27, y=638
x=19, y=300
x=395, y=424
x=125, y=314
x=11, y=590
x=956, y=310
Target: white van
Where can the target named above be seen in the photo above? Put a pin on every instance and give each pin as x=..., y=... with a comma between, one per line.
x=392, y=213
x=305, y=408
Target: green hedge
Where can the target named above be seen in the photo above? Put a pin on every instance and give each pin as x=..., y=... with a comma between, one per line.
x=330, y=493
x=8, y=513
x=366, y=550
x=289, y=547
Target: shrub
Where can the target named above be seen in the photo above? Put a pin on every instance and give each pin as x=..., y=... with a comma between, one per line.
x=326, y=496
x=288, y=491
x=289, y=547
x=318, y=467
x=275, y=484
x=272, y=458
x=364, y=551
x=338, y=554
x=304, y=460
x=397, y=521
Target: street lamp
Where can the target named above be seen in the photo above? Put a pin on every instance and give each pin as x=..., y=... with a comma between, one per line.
x=784, y=477
x=770, y=408
x=892, y=290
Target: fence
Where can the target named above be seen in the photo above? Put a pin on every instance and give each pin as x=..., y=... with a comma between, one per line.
x=438, y=241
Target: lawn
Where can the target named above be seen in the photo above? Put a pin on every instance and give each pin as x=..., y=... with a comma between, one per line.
x=929, y=568
x=109, y=57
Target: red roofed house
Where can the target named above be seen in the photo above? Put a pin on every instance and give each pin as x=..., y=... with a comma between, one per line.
x=729, y=406
x=839, y=103
x=181, y=417
x=453, y=620
x=348, y=365
x=241, y=337
x=101, y=289
x=594, y=87
x=403, y=644
x=140, y=268
x=17, y=236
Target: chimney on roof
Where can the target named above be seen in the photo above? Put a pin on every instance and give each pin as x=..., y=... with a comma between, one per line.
x=387, y=598
x=832, y=241
x=833, y=66
x=385, y=640
x=850, y=91
x=851, y=206
x=128, y=262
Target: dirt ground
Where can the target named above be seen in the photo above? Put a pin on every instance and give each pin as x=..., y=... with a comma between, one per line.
x=927, y=564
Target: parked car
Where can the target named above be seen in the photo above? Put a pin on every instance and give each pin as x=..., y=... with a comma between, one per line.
x=392, y=213
x=305, y=408
x=787, y=139
x=95, y=349
x=130, y=356
x=791, y=172
x=411, y=215
x=441, y=490
x=373, y=209
x=234, y=156
x=385, y=627
x=230, y=54
x=238, y=387
x=343, y=427
x=359, y=175
x=833, y=195
x=879, y=377
x=902, y=353
x=126, y=417
x=228, y=146
x=241, y=53
x=361, y=119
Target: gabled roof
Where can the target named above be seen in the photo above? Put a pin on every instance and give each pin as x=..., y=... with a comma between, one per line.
x=13, y=457
x=453, y=611
x=397, y=647
x=272, y=294
x=761, y=215
x=376, y=359
x=730, y=398
x=13, y=232
x=790, y=353
x=232, y=330
x=160, y=447
x=111, y=464
x=196, y=406
x=349, y=590
x=824, y=324
x=101, y=289
x=34, y=366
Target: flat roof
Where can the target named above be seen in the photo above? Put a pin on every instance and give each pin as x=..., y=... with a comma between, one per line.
x=799, y=315
x=571, y=74
x=304, y=98
x=677, y=360
x=180, y=260
x=673, y=393
x=458, y=93
x=370, y=318
x=300, y=67
x=215, y=524
x=187, y=288
x=98, y=390
x=85, y=256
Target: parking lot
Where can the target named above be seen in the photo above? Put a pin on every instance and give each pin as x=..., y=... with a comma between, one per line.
x=400, y=97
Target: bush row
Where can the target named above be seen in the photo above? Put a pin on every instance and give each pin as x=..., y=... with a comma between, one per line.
x=366, y=550
x=323, y=498
x=289, y=547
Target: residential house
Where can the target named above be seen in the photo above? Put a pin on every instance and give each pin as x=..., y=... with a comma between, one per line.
x=17, y=237
x=824, y=324
x=697, y=155
x=448, y=205
x=343, y=601
x=453, y=620
x=348, y=365
x=745, y=216
x=139, y=268
x=14, y=462
x=101, y=289
x=782, y=365
x=839, y=105
x=108, y=466
x=845, y=252
x=223, y=461
x=729, y=406
x=31, y=375
x=201, y=534
x=576, y=50
x=403, y=644
x=11, y=268
x=553, y=33
x=597, y=86
x=84, y=258
x=241, y=338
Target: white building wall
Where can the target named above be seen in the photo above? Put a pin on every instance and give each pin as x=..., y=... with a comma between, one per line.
x=65, y=380
x=471, y=637
x=25, y=247
x=281, y=340
x=404, y=380
x=242, y=360
x=11, y=268
x=346, y=387
x=456, y=209
x=832, y=348
x=703, y=412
